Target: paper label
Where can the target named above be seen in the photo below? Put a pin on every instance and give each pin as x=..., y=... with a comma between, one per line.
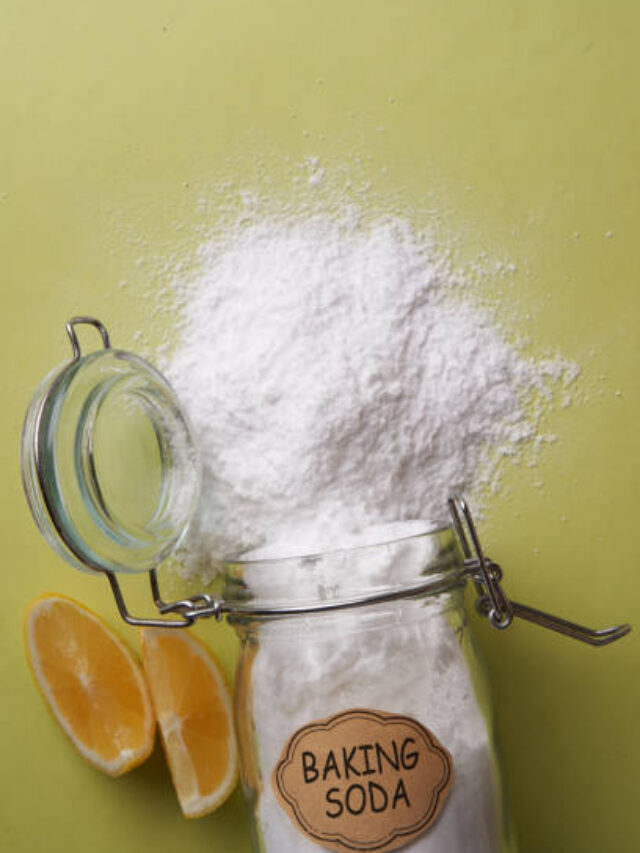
x=363, y=780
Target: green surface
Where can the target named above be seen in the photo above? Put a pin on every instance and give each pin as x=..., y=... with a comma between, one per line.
x=520, y=123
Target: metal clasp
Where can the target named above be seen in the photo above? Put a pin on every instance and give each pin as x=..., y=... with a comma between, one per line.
x=186, y=611
x=492, y=601
x=85, y=321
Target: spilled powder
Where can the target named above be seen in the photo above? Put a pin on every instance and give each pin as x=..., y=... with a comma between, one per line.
x=339, y=373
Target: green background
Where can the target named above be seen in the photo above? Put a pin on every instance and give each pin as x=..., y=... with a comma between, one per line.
x=518, y=121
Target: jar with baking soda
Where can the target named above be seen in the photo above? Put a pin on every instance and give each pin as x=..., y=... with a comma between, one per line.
x=361, y=709
x=363, y=716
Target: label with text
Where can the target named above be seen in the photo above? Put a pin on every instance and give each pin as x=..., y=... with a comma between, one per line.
x=363, y=780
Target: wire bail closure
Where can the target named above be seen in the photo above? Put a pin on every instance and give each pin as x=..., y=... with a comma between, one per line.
x=73, y=338
x=492, y=602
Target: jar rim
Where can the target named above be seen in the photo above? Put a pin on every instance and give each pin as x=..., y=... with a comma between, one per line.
x=431, y=528
x=416, y=565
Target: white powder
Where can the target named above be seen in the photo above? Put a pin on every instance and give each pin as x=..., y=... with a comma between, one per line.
x=401, y=660
x=339, y=374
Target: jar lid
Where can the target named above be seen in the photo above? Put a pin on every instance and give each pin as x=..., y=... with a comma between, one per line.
x=109, y=464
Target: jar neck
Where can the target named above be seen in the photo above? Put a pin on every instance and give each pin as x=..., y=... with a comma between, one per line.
x=422, y=565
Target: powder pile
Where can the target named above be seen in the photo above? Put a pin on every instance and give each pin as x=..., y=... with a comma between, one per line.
x=338, y=375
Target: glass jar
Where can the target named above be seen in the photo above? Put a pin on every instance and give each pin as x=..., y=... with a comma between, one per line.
x=382, y=636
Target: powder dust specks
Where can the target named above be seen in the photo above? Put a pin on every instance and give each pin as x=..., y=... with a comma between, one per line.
x=339, y=372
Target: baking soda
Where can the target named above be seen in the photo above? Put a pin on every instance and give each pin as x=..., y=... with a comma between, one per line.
x=339, y=374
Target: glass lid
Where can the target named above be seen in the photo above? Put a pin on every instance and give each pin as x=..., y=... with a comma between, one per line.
x=109, y=464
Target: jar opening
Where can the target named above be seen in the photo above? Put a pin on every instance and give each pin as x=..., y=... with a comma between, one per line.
x=427, y=558
x=295, y=548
